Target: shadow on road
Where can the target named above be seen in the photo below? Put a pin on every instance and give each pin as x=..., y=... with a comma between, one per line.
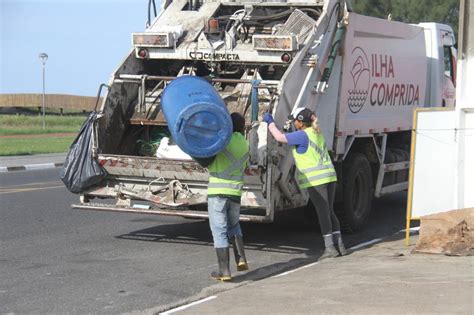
x=293, y=240
x=280, y=237
x=292, y=232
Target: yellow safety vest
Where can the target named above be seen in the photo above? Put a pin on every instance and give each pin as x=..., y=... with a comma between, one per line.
x=226, y=172
x=315, y=164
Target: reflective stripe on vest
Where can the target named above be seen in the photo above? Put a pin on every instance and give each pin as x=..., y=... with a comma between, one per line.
x=322, y=153
x=316, y=177
x=316, y=168
x=315, y=164
x=227, y=171
x=234, y=166
x=226, y=185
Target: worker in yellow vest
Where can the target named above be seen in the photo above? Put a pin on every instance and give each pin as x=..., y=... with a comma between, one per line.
x=226, y=178
x=316, y=173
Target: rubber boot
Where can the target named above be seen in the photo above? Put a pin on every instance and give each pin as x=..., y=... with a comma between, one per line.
x=339, y=244
x=223, y=261
x=329, y=252
x=239, y=253
x=342, y=249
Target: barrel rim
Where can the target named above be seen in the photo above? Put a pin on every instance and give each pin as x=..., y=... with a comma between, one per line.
x=199, y=108
x=200, y=97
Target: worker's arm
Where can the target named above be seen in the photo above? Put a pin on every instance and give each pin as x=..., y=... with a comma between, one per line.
x=277, y=134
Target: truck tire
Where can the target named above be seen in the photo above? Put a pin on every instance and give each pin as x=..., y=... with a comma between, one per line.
x=358, y=192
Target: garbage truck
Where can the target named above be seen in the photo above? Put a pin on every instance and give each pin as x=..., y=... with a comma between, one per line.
x=361, y=75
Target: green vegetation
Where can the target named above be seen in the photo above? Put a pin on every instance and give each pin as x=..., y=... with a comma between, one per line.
x=36, y=145
x=24, y=134
x=409, y=11
x=25, y=125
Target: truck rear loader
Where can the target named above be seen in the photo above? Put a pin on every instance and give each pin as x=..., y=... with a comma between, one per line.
x=363, y=77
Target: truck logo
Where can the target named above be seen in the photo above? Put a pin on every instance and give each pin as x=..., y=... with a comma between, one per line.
x=360, y=73
x=197, y=55
x=387, y=91
x=376, y=81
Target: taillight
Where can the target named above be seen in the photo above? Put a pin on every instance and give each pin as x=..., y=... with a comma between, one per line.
x=143, y=53
x=286, y=57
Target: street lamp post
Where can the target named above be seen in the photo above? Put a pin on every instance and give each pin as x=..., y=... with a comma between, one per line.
x=43, y=57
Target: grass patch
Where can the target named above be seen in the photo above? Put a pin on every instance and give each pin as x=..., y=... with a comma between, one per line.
x=26, y=146
x=24, y=125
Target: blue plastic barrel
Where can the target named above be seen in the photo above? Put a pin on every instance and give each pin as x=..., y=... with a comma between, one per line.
x=197, y=117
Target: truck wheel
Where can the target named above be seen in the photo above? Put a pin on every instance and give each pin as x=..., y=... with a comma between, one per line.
x=357, y=193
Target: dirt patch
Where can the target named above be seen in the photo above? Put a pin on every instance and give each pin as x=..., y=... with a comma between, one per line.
x=450, y=233
x=59, y=135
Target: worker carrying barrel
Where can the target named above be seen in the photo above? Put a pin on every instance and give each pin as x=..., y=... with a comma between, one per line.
x=226, y=178
x=317, y=173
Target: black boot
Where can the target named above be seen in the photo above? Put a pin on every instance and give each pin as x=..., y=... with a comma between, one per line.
x=329, y=252
x=239, y=252
x=223, y=260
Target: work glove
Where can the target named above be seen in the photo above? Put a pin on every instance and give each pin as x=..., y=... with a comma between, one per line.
x=268, y=118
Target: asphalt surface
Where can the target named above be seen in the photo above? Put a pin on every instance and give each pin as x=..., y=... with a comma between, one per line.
x=56, y=259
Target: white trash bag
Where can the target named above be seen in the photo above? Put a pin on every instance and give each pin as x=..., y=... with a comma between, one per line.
x=170, y=151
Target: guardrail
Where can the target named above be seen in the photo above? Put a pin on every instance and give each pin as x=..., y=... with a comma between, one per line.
x=61, y=101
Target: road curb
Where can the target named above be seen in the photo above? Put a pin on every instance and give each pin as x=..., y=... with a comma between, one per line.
x=29, y=167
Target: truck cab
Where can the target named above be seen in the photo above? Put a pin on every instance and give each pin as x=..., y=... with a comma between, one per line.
x=441, y=51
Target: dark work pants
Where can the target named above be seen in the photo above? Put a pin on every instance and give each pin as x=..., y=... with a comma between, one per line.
x=322, y=197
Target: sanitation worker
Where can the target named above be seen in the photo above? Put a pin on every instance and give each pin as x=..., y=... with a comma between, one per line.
x=226, y=178
x=317, y=173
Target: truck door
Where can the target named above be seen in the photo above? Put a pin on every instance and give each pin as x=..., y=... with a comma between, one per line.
x=449, y=78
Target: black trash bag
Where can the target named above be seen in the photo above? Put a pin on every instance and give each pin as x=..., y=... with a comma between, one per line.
x=81, y=170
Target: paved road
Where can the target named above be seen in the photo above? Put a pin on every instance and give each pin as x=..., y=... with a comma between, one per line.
x=56, y=259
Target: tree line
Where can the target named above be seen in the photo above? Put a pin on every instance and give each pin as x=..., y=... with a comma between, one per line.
x=412, y=11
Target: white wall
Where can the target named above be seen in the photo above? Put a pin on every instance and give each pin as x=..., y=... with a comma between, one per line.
x=443, y=161
x=466, y=159
x=434, y=163
x=465, y=106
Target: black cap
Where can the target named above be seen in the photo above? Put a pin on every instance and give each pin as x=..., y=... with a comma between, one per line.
x=302, y=114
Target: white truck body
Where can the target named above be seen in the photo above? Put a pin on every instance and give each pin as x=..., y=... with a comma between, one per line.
x=363, y=76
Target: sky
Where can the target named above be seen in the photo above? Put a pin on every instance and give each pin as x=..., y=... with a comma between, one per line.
x=85, y=40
